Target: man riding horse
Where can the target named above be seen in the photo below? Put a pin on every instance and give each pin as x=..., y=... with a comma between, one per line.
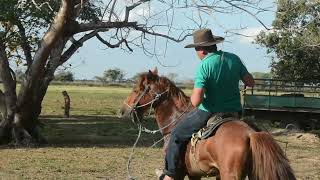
x=216, y=90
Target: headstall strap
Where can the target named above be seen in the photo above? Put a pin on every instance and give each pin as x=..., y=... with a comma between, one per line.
x=146, y=89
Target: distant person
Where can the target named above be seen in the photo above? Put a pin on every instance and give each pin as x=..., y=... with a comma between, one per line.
x=216, y=90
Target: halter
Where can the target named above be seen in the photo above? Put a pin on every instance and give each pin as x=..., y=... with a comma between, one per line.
x=145, y=91
x=156, y=98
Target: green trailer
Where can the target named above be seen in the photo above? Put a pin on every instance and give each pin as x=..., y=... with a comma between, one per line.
x=289, y=100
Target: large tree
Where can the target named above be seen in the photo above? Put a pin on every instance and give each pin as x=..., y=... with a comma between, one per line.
x=42, y=35
x=111, y=75
x=63, y=75
x=294, y=41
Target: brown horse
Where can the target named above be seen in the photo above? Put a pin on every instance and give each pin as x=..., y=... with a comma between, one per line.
x=234, y=152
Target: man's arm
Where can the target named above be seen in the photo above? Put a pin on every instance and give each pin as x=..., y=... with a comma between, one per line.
x=248, y=80
x=197, y=96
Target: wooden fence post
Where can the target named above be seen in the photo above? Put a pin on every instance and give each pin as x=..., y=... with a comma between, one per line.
x=66, y=103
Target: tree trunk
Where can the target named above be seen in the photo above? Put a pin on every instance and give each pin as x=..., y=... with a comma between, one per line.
x=26, y=121
x=9, y=96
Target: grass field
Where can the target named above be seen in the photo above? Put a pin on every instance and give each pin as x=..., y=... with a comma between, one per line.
x=94, y=144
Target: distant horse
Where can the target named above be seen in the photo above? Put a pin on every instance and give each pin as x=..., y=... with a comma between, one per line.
x=234, y=152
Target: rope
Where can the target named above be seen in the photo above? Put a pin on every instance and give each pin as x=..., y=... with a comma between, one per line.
x=144, y=129
x=163, y=137
x=157, y=97
x=141, y=128
x=131, y=154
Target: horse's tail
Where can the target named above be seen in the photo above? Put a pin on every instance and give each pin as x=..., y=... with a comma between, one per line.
x=268, y=159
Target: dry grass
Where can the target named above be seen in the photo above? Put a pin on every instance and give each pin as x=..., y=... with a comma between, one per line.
x=303, y=151
x=98, y=148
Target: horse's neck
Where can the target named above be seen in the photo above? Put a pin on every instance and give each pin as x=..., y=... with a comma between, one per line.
x=169, y=113
x=181, y=107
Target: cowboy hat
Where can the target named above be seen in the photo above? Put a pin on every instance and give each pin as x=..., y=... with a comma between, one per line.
x=203, y=38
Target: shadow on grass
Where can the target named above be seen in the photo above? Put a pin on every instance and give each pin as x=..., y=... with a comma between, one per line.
x=95, y=131
x=316, y=132
x=106, y=131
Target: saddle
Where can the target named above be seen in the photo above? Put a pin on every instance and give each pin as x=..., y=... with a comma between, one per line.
x=209, y=130
x=213, y=123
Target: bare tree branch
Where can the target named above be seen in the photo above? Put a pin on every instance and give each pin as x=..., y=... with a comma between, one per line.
x=75, y=46
x=40, y=6
x=129, y=8
x=112, y=9
x=102, y=25
x=24, y=43
x=105, y=10
x=245, y=10
x=113, y=45
x=144, y=30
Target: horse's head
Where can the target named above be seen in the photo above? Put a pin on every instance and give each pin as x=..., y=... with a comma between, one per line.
x=144, y=95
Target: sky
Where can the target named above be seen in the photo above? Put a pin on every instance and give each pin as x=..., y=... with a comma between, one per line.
x=94, y=58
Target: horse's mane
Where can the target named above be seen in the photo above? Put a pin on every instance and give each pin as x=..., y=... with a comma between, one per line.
x=164, y=83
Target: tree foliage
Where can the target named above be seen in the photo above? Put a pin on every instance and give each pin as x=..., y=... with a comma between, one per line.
x=111, y=75
x=22, y=24
x=295, y=40
x=64, y=76
x=261, y=75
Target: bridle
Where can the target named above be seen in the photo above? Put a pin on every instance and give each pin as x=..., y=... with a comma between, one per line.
x=134, y=114
x=156, y=97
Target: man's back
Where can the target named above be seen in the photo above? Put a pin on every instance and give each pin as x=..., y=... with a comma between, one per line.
x=219, y=73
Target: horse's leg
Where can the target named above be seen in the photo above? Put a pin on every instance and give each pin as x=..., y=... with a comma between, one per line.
x=235, y=170
x=233, y=167
x=230, y=176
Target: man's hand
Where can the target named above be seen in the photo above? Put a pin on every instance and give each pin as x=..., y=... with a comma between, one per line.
x=197, y=96
x=248, y=80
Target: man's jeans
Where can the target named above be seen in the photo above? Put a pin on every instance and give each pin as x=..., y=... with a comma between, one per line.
x=192, y=122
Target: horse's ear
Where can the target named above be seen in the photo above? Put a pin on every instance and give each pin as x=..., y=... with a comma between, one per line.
x=152, y=75
x=155, y=71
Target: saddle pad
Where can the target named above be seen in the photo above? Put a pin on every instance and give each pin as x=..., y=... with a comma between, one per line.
x=212, y=125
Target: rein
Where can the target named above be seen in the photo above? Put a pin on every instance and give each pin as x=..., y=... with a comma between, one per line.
x=136, y=106
x=144, y=129
x=156, y=98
